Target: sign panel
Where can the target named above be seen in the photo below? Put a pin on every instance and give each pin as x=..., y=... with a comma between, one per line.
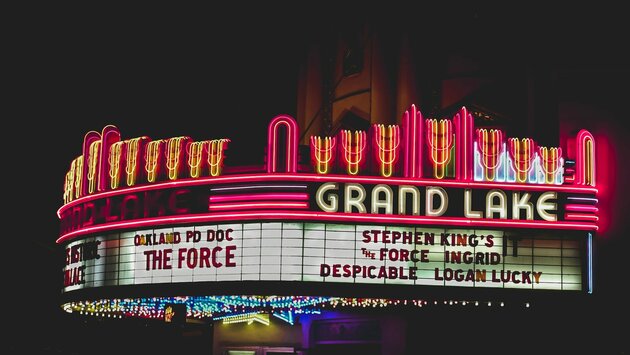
x=326, y=252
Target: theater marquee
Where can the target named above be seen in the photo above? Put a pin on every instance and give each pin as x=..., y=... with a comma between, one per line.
x=428, y=203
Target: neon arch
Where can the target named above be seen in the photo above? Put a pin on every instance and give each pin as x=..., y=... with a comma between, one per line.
x=82, y=186
x=585, y=158
x=109, y=136
x=291, y=144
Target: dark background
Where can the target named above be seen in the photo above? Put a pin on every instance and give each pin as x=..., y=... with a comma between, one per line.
x=214, y=73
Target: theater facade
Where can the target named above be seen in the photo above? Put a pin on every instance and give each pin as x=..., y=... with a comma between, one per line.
x=428, y=213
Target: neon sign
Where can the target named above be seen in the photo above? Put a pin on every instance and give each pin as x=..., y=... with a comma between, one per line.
x=480, y=179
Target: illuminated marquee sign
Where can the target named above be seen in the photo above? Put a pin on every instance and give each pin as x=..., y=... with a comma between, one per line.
x=323, y=252
x=398, y=201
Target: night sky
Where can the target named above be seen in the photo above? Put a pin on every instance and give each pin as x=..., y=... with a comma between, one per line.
x=208, y=74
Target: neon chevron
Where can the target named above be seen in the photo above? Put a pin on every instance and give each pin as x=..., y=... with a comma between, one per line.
x=323, y=153
x=215, y=155
x=522, y=152
x=152, y=160
x=173, y=156
x=490, y=146
x=440, y=142
x=115, y=158
x=387, y=143
x=78, y=177
x=551, y=164
x=353, y=144
x=132, y=163
x=68, y=185
x=195, y=157
x=412, y=128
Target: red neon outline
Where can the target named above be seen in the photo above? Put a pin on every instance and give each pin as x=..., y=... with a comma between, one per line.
x=464, y=163
x=581, y=208
x=257, y=205
x=329, y=178
x=258, y=197
x=292, y=143
x=327, y=216
x=412, y=128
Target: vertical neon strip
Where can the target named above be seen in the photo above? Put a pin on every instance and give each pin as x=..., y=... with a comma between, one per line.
x=109, y=136
x=134, y=149
x=387, y=139
x=291, y=143
x=93, y=166
x=550, y=163
x=464, y=126
x=195, y=157
x=523, y=153
x=152, y=160
x=440, y=142
x=590, y=263
x=173, y=156
x=88, y=140
x=412, y=129
x=115, y=158
x=322, y=153
x=216, y=156
x=353, y=144
x=585, y=159
x=490, y=144
x=78, y=176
